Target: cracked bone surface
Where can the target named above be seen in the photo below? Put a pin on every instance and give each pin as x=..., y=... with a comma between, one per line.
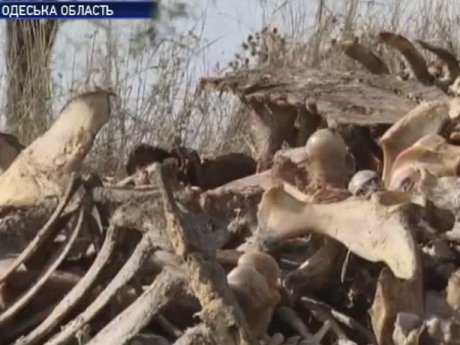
x=327, y=157
x=254, y=281
x=43, y=169
x=426, y=118
x=432, y=153
x=377, y=230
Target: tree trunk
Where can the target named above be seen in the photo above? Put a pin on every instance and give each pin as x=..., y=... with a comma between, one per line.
x=28, y=51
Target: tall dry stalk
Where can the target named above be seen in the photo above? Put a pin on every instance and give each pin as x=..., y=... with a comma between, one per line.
x=28, y=92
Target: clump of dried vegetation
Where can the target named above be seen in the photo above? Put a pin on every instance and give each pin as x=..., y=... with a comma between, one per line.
x=154, y=71
x=303, y=249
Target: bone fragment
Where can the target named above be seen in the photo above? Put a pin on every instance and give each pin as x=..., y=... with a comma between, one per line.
x=374, y=229
x=43, y=169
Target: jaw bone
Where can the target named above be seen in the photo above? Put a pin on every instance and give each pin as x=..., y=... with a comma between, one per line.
x=427, y=118
x=375, y=229
x=43, y=169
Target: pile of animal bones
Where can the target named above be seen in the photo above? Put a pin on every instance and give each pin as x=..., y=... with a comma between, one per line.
x=348, y=237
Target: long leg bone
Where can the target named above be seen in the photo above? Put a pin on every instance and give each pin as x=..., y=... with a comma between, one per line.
x=43, y=169
x=372, y=229
x=24, y=299
x=127, y=324
x=123, y=276
x=75, y=295
x=45, y=231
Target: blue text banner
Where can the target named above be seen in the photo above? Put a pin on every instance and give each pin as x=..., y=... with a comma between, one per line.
x=78, y=9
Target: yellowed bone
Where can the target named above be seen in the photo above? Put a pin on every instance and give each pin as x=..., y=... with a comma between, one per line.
x=432, y=153
x=254, y=281
x=427, y=118
x=369, y=228
x=43, y=168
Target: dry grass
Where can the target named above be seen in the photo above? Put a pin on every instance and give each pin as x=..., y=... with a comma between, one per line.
x=28, y=84
x=298, y=38
x=155, y=77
